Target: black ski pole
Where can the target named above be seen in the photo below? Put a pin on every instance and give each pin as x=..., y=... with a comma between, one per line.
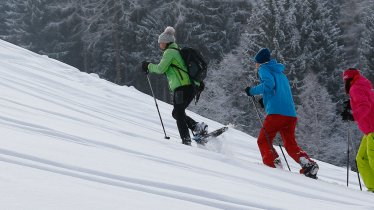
x=266, y=134
x=348, y=134
x=354, y=148
x=358, y=176
x=149, y=82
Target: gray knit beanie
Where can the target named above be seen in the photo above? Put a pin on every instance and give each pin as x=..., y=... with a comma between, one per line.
x=167, y=36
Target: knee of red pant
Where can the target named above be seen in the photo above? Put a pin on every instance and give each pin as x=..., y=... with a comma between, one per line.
x=263, y=146
x=261, y=140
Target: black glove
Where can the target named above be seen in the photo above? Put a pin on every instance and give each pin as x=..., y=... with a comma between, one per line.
x=145, y=67
x=347, y=105
x=247, y=91
x=347, y=112
x=347, y=115
x=261, y=102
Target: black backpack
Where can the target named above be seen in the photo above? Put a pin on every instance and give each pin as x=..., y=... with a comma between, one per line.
x=196, y=66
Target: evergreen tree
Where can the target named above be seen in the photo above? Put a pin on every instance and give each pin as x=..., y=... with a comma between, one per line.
x=349, y=21
x=318, y=127
x=108, y=38
x=302, y=35
x=25, y=22
x=14, y=21
x=224, y=99
x=320, y=43
x=367, y=43
x=62, y=34
x=3, y=17
x=273, y=25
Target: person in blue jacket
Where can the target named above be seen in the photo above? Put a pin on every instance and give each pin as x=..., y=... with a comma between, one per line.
x=281, y=114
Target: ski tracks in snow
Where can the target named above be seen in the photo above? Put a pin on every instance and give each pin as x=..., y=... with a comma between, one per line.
x=162, y=189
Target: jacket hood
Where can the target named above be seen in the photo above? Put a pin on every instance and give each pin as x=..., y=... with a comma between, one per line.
x=362, y=81
x=274, y=66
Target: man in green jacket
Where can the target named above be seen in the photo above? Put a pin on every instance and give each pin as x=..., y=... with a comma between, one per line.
x=173, y=66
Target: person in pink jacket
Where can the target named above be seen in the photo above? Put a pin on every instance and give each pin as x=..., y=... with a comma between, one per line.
x=361, y=95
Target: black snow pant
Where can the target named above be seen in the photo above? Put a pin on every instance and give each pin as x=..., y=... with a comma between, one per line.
x=182, y=98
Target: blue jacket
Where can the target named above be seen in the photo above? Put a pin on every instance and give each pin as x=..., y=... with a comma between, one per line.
x=275, y=88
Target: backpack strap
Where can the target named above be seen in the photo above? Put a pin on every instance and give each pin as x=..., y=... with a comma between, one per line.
x=175, y=66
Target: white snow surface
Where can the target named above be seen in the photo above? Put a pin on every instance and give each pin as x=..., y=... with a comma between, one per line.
x=70, y=140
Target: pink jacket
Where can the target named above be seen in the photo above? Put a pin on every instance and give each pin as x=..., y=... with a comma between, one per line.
x=362, y=103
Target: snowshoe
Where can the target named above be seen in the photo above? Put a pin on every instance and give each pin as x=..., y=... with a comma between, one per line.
x=203, y=139
x=309, y=168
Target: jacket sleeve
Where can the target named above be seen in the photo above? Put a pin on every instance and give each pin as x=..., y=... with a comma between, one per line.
x=164, y=64
x=267, y=83
x=363, y=105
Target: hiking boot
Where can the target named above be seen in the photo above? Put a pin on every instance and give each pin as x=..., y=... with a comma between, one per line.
x=278, y=163
x=200, y=129
x=186, y=141
x=308, y=167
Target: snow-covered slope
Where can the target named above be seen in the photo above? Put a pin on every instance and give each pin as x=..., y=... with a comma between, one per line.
x=70, y=140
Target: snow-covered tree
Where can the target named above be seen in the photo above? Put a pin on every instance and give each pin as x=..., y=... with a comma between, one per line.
x=302, y=35
x=273, y=25
x=367, y=43
x=14, y=20
x=349, y=18
x=319, y=130
x=61, y=34
x=224, y=99
x=25, y=21
x=320, y=42
x=3, y=18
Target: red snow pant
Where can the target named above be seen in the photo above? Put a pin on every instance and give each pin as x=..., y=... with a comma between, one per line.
x=286, y=126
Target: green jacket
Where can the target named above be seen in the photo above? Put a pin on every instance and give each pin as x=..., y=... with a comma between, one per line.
x=175, y=76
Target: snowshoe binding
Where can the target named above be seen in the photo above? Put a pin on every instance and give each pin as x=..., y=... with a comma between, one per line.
x=278, y=163
x=309, y=168
x=200, y=130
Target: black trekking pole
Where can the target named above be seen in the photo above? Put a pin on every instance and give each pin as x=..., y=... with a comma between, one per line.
x=348, y=134
x=354, y=148
x=358, y=176
x=149, y=82
x=266, y=134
